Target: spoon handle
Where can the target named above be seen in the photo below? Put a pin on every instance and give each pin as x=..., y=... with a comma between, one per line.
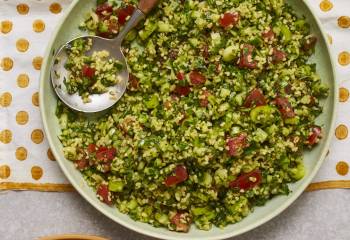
x=135, y=18
x=144, y=7
x=147, y=5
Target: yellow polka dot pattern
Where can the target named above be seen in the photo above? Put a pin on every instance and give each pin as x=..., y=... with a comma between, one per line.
x=37, y=172
x=22, y=8
x=343, y=94
x=342, y=168
x=23, y=80
x=344, y=58
x=50, y=155
x=38, y=26
x=35, y=99
x=344, y=22
x=22, y=117
x=25, y=29
x=37, y=136
x=37, y=61
x=6, y=136
x=55, y=8
x=6, y=26
x=326, y=5
x=5, y=99
x=5, y=171
x=341, y=132
x=21, y=153
x=6, y=64
x=22, y=45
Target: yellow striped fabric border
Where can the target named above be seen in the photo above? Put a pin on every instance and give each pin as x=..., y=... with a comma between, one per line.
x=52, y=187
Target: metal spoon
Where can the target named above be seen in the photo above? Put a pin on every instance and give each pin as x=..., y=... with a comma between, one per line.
x=99, y=102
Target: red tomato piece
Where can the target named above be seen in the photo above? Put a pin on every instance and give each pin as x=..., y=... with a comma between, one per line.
x=284, y=107
x=180, y=225
x=82, y=164
x=104, y=9
x=268, y=35
x=180, y=175
x=105, y=154
x=229, y=19
x=171, y=180
x=88, y=71
x=236, y=144
x=91, y=148
x=255, y=98
x=182, y=90
x=247, y=180
x=180, y=76
x=111, y=152
x=101, y=154
x=104, y=194
x=314, y=136
x=134, y=82
x=130, y=9
x=278, y=56
x=309, y=43
x=123, y=13
x=102, y=149
x=197, y=78
x=246, y=57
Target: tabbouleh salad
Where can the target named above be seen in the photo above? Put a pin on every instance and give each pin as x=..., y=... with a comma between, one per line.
x=220, y=107
x=89, y=74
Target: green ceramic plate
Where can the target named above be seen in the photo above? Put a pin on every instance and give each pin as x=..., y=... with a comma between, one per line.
x=68, y=29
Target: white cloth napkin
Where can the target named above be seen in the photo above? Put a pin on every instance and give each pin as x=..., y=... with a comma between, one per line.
x=24, y=152
x=23, y=146
x=335, y=18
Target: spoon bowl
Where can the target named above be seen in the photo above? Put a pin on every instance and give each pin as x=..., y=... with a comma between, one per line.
x=98, y=102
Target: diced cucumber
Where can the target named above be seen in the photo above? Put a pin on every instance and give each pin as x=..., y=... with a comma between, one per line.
x=286, y=33
x=229, y=54
x=284, y=162
x=292, y=121
x=116, y=185
x=132, y=204
x=152, y=102
x=165, y=27
x=263, y=114
x=150, y=27
x=162, y=218
x=300, y=24
x=206, y=179
x=298, y=172
x=102, y=27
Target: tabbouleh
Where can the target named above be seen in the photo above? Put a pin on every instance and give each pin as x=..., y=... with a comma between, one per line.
x=90, y=74
x=220, y=107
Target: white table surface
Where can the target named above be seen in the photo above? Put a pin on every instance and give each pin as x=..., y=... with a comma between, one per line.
x=322, y=215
